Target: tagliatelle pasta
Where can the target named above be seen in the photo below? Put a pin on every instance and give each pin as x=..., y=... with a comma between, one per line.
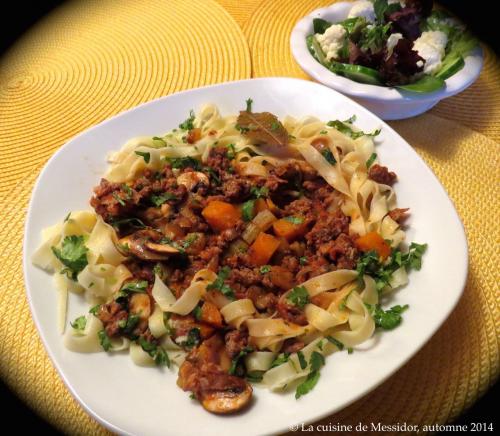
x=239, y=248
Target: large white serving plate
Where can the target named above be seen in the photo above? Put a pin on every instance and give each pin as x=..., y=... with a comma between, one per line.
x=146, y=401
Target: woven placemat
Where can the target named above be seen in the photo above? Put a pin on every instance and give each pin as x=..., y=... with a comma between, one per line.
x=268, y=32
x=86, y=62
x=93, y=59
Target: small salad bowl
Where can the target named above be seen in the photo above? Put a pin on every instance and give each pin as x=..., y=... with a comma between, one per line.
x=389, y=103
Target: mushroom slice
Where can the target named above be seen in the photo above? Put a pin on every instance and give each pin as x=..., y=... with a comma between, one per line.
x=139, y=244
x=192, y=179
x=161, y=248
x=229, y=401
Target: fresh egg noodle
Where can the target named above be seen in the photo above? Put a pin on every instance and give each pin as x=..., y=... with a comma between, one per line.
x=346, y=319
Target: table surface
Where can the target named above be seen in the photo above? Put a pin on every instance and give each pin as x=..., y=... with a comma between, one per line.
x=90, y=60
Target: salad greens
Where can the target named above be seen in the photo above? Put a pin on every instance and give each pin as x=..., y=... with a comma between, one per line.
x=364, y=55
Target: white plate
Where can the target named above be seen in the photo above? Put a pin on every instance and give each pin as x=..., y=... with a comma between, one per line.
x=388, y=103
x=146, y=401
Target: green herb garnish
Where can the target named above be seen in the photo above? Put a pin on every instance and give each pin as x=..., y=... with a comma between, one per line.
x=79, y=323
x=328, y=155
x=219, y=284
x=104, y=340
x=72, y=254
x=346, y=129
x=188, y=123
x=247, y=210
x=370, y=160
x=298, y=296
x=158, y=200
x=294, y=219
x=145, y=155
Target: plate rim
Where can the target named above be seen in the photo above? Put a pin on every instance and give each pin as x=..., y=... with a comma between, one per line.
x=29, y=217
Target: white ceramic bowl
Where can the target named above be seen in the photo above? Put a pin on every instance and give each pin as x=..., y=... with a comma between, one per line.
x=139, y=401
x=387, y=103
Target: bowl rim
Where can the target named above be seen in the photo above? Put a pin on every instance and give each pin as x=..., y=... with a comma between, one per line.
x=454, y=84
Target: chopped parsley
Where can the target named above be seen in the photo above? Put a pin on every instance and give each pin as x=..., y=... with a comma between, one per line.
x=335, y=342
x=302, y=360
x=298, y=296
x=323, y=132
x=214, y=177
x=262, y=192
x=158, y=200
x=79, y=323
x=95, y=309
x=370, y=160
x=104, y=340
x=188, y=123
x=249, y=102
x=236, y=360
x=247, y=210
x=129, y=324
x=219, y=285
x=275, y=125
x=328, y=155
x=158, y=354
x=387, y=319
x=138, y=286
x=294, y=219
x=184, y=162
x=350, y=350
x=280, y=360
x=316, y=361
x=72, y=254
x=370, y=264
x=118, y=198
x=128, y=191
x=145, y=155
x=157, y=138
x=231, y=151
x=254, y=376
x=265, y=269
x=132, y=222
x=193, y=338
x=346, y=129
x=303, y=260
x=197, y=313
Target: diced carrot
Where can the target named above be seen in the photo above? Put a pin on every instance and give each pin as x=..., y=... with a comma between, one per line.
x=288, y=229
x=373, y=241
x=260, y=205
x=221, y=215
x=263, y=248
x=193, y=136
x=210, y=314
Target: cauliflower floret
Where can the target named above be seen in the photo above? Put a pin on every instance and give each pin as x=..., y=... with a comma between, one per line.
x=392, y=42
x=431, y=46
x=332, y=41
x=363, y=9
x=401, y=2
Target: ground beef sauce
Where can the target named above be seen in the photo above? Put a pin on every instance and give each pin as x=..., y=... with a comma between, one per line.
x=169, y=207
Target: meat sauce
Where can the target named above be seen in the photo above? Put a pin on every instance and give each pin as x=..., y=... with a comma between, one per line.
x=170, y=208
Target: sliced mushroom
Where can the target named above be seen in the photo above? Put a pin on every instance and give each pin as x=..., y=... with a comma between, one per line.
x=192, y=179
x=144, y=245
x=161, y=248
x=229, y=401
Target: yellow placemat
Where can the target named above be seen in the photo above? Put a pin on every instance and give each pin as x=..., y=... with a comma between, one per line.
x=268, y=32
x=93, y=59
x=86, y=62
